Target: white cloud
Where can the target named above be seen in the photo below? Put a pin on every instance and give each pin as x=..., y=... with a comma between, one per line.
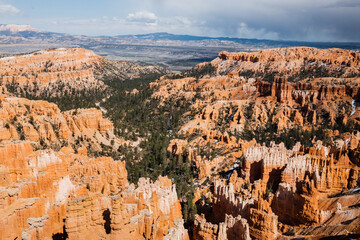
x=8, y=9
x=143, y=17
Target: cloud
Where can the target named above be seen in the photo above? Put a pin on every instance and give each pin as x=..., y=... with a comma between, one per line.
x=8, y=9
x=143, y=17
x=310, y=20
x=183, y=20
x=134, y=23
x=243, y=31
x=319, y=20
x=346, y=4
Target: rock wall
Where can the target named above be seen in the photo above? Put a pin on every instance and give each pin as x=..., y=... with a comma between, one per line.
x=291, y=61
x=229, y=134
x=60, y=72
x=46, y=126
x=65, y=194
x=51, y=72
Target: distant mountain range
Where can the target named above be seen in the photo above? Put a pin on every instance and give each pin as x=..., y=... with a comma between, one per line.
x=174, y=51
x=245, y=41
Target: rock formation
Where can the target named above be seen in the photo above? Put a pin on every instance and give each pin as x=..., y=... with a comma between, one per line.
x=65, y=194
x=294, y=62
x=246, y=138
x=60, y=72
x=52, y=71
x=273, y=139
x=45, y=125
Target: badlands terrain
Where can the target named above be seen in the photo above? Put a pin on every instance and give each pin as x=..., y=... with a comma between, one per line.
x=251, y=145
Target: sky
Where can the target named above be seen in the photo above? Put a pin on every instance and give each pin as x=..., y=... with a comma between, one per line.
x=302, y=20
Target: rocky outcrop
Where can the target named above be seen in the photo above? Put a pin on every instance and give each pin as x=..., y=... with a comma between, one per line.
x=272, y=149
x=225, y=202
x=63, y=193
x=51, y=72
x=151, y=211
x=63, y=72
x=263, y=225
x=231, y=228
x=45, y=125
x=294, y=62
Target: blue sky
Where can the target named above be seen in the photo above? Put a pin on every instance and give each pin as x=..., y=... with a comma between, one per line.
x=310, y=20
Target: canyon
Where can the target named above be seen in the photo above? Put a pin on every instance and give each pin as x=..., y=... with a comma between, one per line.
x=267, y=143
x=62, y=193
x=274, y=155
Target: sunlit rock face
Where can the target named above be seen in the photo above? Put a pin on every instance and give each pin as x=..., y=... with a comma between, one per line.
x=291, y=62
x=267, y=186
x=61, y=192
x=51, y=72
x=271, y=186
x=44, y=125
x=66, y=72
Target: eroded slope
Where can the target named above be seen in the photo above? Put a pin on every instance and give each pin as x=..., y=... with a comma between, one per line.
x=270, y=157
x=61, y=192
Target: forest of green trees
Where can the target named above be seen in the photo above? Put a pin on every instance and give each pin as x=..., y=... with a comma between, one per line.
x=153, y=124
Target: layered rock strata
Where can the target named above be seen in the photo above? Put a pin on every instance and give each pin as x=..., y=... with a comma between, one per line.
x=63, y=72
x=65, y=194
x=280, y=188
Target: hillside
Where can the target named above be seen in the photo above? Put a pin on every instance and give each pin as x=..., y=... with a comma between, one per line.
x=59, y=72
x=295, y=63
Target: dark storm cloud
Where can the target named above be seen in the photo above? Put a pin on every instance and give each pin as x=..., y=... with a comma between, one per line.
x=315, y=20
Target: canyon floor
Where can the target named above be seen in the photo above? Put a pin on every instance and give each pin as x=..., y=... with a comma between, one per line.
x=250, y=145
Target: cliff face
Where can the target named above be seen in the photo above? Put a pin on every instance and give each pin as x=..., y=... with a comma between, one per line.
x=61, y=192
x=61, y=72
x=45, y=125
x=272, y=155
x=295, y=63
x=51, y=72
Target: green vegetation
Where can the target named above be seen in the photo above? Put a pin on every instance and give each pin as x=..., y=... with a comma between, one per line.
x=269, y=190
x=152, y=125
x=66, y=100
x=269, y=132
x=196, y=72
x=289, y=137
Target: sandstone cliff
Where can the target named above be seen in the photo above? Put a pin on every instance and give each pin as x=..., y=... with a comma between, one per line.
x=272, y=154
x=61, y=192
x=274, y=157
x=296, y=63
x=44, y=125
x=60, y=72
